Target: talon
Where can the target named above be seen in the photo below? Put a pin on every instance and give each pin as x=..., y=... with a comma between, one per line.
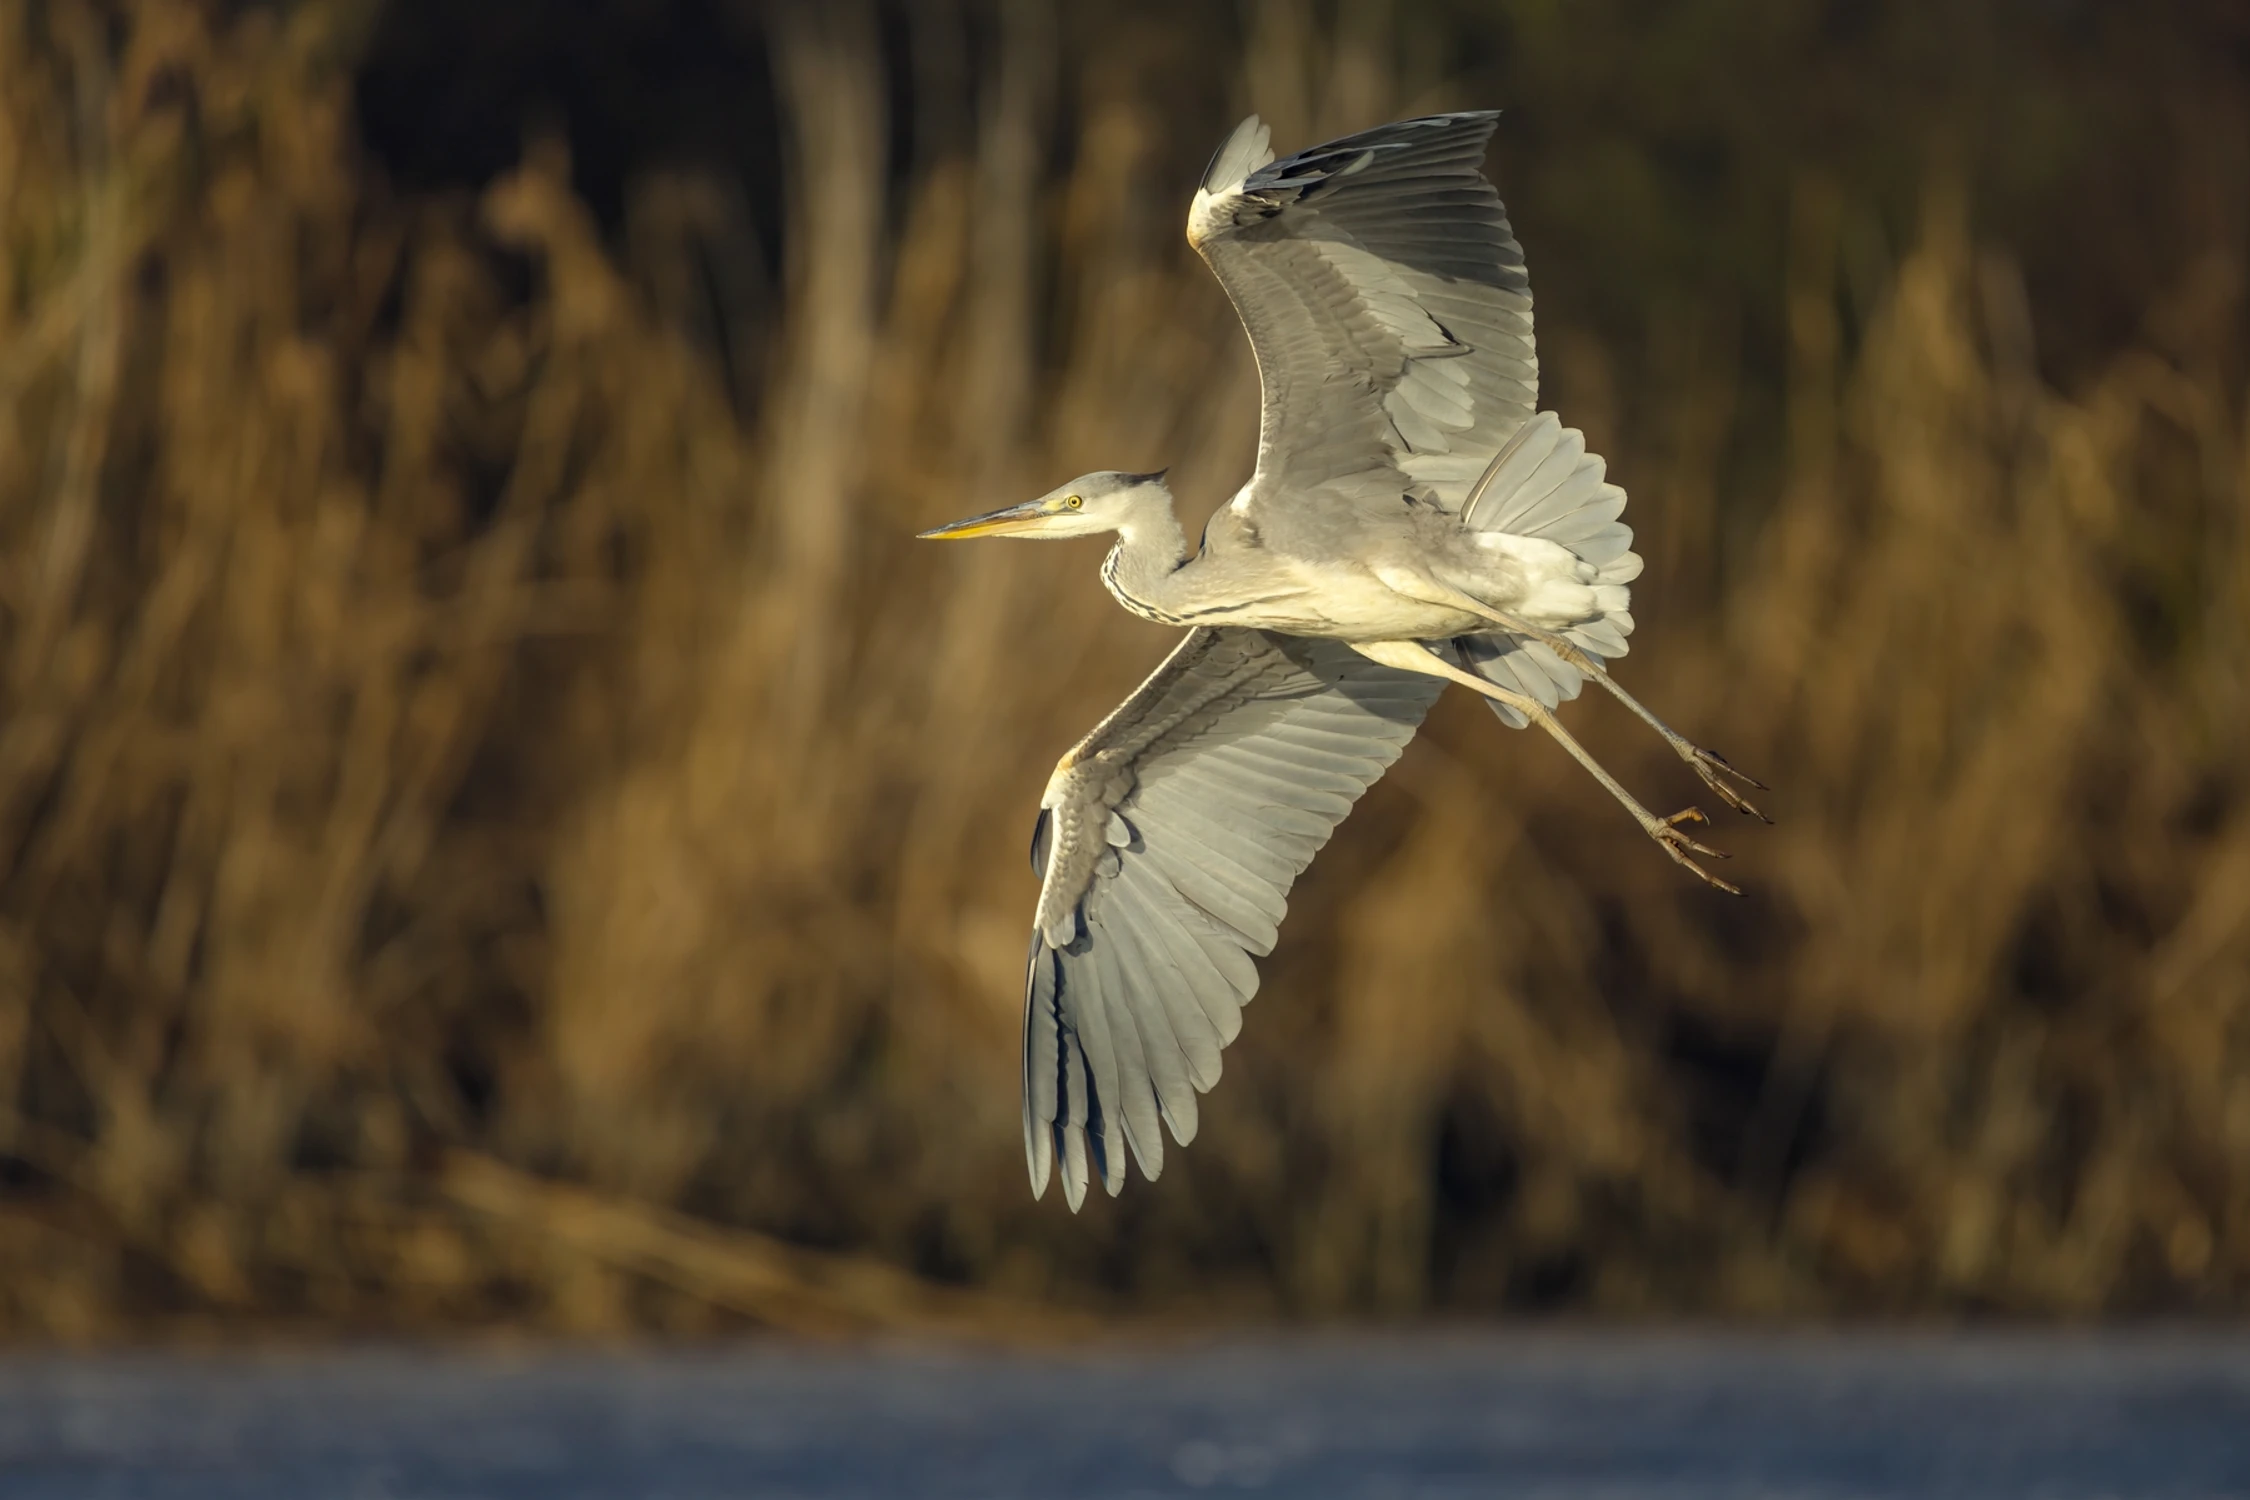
x=1674, y=839
x=1709, y=763
x=1667, y=834
x=1728, y=766
x=1735, y=799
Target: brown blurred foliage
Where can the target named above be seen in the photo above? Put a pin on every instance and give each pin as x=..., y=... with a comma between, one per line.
x=501, y=825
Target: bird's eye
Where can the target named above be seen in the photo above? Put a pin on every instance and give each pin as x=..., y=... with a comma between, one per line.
x=1075, y=503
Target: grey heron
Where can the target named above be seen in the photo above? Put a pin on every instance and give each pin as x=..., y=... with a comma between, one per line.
x=1412, y=521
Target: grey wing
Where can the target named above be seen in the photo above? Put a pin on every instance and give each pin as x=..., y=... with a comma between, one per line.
x=1387, y=302
x=1167, y=843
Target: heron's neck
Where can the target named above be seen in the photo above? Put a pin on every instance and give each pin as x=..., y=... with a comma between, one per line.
x=1142, y=570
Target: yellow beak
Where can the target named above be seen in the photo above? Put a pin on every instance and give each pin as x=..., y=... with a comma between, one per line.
x=1012, y=521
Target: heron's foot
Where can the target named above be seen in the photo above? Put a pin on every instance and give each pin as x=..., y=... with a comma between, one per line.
x=1715, y=770
x=1666, y=831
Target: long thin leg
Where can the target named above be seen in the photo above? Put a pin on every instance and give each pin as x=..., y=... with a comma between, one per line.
x=1412, y=656
x=1708, y=764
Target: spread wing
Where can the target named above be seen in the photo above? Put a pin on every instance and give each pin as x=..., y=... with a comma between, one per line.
x=1387, y=303
x=1167, y=843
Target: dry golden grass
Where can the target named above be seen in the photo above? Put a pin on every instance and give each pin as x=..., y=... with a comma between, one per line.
x=438, y=730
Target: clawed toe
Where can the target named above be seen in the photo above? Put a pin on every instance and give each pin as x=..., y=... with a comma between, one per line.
x=1666, y=831
x=1728, y=766
x=1714, y=768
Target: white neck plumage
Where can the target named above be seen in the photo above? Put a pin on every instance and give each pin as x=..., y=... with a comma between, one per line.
x=1142, y=570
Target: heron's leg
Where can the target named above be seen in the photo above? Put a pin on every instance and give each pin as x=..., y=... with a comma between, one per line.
x=1412, y=656
x=1708, y=764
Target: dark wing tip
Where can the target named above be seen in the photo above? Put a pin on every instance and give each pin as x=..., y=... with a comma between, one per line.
x=1486, y=120
x=1453, y=141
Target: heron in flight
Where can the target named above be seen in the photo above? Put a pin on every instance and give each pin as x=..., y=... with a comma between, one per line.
x=1412, y=521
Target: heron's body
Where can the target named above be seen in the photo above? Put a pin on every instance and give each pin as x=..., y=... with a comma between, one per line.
x=1370, y=591
x=1412, y=521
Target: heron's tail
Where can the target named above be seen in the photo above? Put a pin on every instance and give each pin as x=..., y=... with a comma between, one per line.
x=1545, y=484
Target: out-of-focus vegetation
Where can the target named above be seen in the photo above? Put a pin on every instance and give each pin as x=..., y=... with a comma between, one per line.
x=498, y=823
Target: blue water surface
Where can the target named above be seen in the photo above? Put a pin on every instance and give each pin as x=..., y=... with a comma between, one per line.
x=2070, y=1417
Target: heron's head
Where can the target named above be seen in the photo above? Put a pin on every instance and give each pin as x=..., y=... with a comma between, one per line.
x=1087, y=506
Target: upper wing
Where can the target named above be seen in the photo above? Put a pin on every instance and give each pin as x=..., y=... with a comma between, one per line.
x=1387, y=303
x=1167, y=843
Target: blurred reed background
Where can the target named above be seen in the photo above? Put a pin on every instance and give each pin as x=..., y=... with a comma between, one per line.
x=500, y=825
